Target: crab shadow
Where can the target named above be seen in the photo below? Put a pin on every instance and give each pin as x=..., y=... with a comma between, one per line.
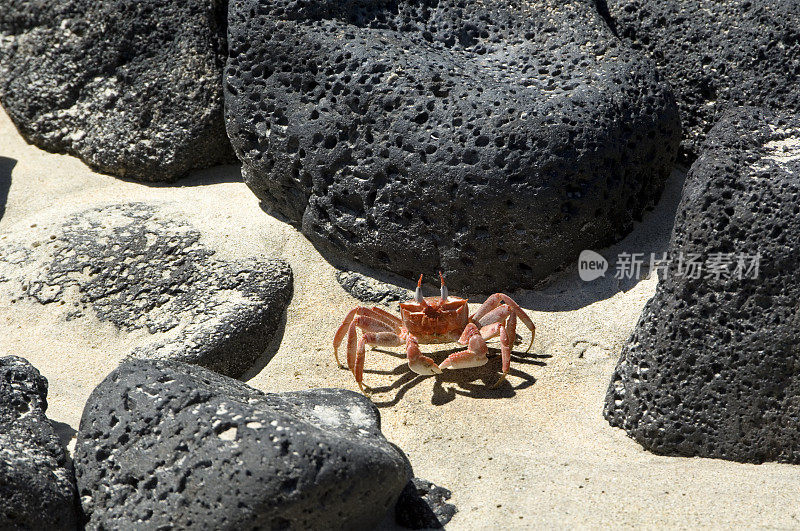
x=476, y=382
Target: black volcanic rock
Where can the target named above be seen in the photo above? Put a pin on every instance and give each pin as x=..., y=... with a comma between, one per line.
x=423, y=505
x=368, y=289
x=132, y=87
x=37, y=481
x=490, y=140
x=139, y=266
x=718, y=55
x=713, y=367
x=166, y=444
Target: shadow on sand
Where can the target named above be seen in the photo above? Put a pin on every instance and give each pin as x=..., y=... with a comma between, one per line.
x=565, y=291
x=477, y=382
x=226, y=173
x=6, y=166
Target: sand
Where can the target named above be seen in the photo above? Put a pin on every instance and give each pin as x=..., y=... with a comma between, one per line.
x=535, y=453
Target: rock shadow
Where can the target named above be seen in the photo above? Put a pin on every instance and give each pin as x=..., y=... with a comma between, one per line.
x=64, y=431
x=6, y=166
x=566, y=291
x=225, y=173
x=228, y=173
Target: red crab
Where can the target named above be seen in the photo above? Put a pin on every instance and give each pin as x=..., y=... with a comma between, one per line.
x=427, y=320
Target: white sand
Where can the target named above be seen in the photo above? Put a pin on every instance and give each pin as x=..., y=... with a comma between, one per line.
x=538, y=455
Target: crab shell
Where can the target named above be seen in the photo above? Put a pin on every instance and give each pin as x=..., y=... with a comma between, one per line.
x=435, y=321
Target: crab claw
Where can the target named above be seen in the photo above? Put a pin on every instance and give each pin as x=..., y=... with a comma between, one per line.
x=419, y=363
x=424, y=366
x=464, y=360
x=443, y=292
x=474, y=356
x=468, y=332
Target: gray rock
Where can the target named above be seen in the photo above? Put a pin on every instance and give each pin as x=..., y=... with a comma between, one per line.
x=490, y=140
x=37, y=481
x=713, y=367
x=135, y=266
x=423, y=505
x=165, y=444
x=717, y=55
x=368, y=289
x=133, y=88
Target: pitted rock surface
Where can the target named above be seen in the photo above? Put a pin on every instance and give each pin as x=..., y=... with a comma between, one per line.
x=37, y=481
x=717, y=55
x=175, y=445
x=713, y=367
x=423, y=505
x=368, y=289
x=133, y=88
x=135, y=266
x=490, y=140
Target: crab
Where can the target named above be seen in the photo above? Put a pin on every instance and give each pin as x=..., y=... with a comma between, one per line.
x=433, y=320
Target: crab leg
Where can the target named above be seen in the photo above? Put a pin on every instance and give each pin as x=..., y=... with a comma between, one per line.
x=497, y=315
x=358, y=370
x=392, y=324
x=474, y=356
x=492, y=330
x=369, y=325
x=511, y=328
x=505, y=350
x=341, y=332
x=351, y=345
x=384, y=339
x=393, y=319
x=488, y=305
x=487, y=332
x=494, y=301
x=505, y=353
x=372, y=324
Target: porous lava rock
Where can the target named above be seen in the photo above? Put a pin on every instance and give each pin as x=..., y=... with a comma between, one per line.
x=37, y=481
x=490, y=140
x=367, y=289
x=717, y=55
x=131, y=87
x=713, y=366
x=139, y=266
x=169, y=445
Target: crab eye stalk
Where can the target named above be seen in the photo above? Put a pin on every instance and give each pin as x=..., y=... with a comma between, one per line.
x=443, y=288
x=418, y=294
